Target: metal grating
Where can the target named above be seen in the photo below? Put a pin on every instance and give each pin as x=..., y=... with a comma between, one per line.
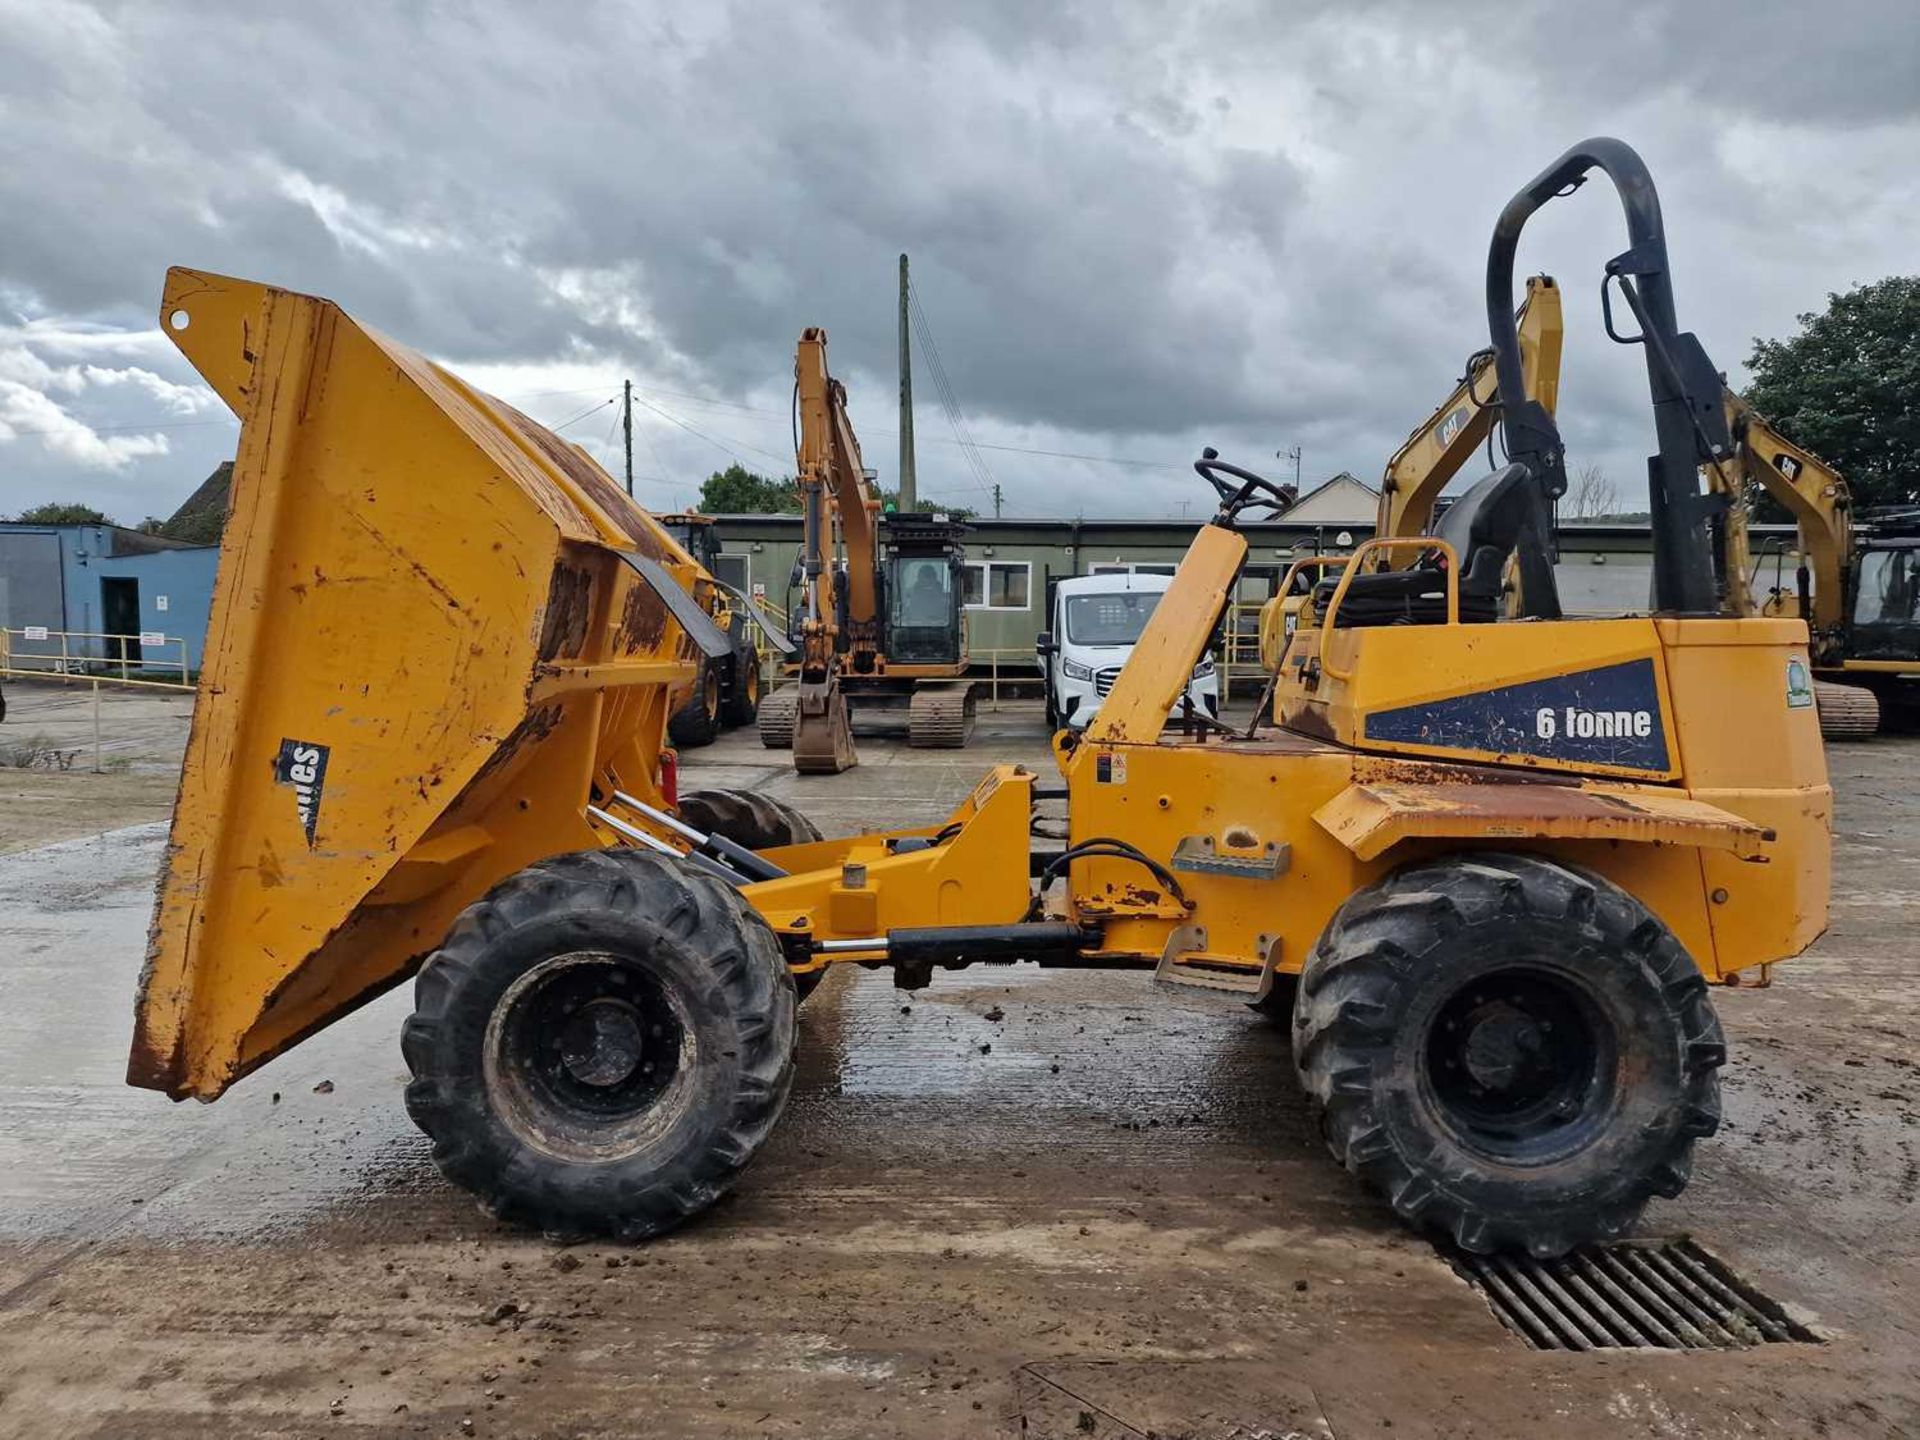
x=1657, y=1294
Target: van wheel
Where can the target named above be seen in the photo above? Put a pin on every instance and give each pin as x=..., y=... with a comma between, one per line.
x=1515, y=1052
x=601, y=1044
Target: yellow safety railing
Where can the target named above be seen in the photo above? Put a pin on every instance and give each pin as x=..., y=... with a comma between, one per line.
x=95, y=655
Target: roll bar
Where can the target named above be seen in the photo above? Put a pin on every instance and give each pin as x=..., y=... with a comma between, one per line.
x=1685, y=387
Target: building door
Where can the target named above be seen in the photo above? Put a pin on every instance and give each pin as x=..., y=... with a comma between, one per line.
x=120, y=617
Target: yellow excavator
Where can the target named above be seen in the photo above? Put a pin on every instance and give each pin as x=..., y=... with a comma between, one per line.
x=880, y=618
x=1861, y=640
x=1483, y=858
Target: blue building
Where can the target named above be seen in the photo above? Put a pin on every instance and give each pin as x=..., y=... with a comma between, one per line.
x=116, y=588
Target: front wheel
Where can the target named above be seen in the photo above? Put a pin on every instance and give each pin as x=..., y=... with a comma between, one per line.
x=1515, y=1052
x=601, y=1044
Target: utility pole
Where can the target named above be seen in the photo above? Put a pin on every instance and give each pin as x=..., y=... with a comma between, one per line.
x=996, y=499
x=626, y=429
x=909, y=497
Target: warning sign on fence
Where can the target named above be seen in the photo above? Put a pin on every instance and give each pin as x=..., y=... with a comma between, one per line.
x=150, y=639
x=35, y=632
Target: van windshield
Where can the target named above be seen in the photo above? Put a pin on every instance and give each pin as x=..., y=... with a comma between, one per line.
x=1116, y=618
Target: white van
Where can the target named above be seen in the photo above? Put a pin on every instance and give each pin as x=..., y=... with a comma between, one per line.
x=1093, y=622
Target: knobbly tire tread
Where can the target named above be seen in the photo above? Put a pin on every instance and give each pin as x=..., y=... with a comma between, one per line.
x=691, y=726
x=758, y=822
x=1371, y=964
x=729, y=965
x=740, y=705
x=746, y=817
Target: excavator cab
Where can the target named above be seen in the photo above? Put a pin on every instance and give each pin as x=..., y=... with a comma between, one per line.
x=1884, y=618
x=925, y=589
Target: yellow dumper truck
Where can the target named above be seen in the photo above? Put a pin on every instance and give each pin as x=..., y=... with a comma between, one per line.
x=1484, y=860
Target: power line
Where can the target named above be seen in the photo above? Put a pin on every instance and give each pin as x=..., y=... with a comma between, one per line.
x=556, y=429
x=949, y=398
x=718, y=444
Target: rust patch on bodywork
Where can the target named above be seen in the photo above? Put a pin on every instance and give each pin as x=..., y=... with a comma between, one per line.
x=643, y=620
x=537, y=725
x=617, y=504
x=563, y=635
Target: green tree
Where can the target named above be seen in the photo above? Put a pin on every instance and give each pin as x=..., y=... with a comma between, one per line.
x=1847, y=387
x=736, y=490
x=62, y=513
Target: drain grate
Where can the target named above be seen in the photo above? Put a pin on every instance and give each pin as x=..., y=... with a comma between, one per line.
x=1654, y=1294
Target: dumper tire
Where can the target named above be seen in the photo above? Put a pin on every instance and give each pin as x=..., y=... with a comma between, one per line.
x=747, y=818
x=742, y=705
x=1465, y=1030
x=697, y=722
x=758, y=822
x=534, y=1022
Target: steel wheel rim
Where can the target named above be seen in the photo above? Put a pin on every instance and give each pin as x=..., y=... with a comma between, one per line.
x=588, y=1056
x=1519, y=1064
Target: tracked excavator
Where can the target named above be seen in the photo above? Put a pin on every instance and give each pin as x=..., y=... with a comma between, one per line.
x=1482, y=858
x=879, y=618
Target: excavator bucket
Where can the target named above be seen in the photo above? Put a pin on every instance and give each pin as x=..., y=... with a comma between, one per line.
x=436, y=629
x=822, y=731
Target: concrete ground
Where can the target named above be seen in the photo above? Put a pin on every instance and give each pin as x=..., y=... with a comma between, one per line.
x=1013, y=1204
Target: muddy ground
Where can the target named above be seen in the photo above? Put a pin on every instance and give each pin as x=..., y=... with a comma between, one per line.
x=1102, y=1214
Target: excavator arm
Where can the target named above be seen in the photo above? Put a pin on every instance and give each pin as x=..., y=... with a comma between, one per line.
x=1435, y=452
x=839, y=510
x=1811, y=491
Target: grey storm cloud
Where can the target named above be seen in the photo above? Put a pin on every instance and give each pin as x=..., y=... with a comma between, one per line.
x=1135, y=227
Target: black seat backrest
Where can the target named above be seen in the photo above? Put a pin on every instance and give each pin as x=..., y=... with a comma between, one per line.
x=1485, y=525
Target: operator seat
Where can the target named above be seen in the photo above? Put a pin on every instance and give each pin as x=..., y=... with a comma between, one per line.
x=1483, y=526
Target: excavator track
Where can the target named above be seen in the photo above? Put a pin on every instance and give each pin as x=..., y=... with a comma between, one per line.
x=1847, y=712
x=940, y=717
x=778, y=712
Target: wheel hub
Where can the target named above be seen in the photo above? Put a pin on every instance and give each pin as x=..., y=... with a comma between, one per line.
x=601, y=1044
x=1518, y=1061
x=585, y=1048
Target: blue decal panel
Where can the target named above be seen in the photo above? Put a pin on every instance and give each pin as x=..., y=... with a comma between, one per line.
x=1606, y=716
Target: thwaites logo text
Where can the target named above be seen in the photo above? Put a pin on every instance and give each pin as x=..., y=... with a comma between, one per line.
x=303, y=765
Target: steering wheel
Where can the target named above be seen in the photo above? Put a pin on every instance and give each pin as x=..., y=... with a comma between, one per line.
x=1254, y=492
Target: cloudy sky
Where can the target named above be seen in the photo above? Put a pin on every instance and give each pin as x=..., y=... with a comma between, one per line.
x=1135, y=228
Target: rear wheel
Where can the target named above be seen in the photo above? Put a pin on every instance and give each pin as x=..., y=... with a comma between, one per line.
x=758, y=822
x=697, y=722
x=1515, y=1052
x=747, y=818
x=601, y=1044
